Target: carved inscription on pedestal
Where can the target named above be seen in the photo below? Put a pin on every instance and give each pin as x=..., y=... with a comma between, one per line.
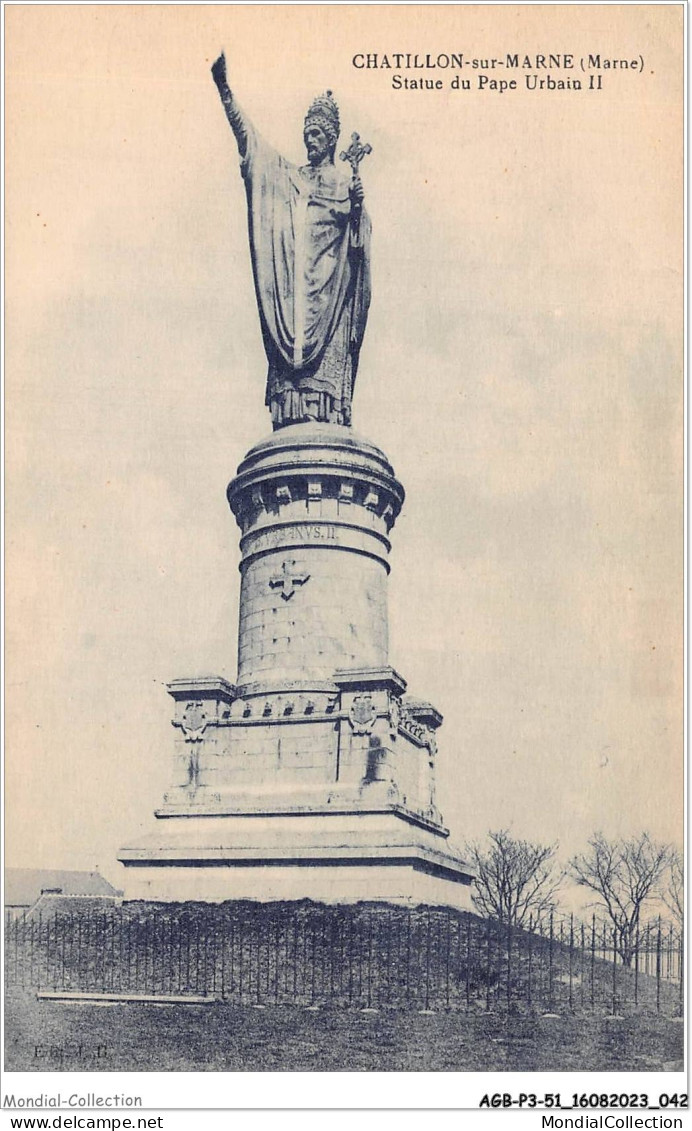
x=305, y=532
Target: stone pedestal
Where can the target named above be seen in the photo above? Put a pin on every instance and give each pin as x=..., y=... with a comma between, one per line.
x=314, y=775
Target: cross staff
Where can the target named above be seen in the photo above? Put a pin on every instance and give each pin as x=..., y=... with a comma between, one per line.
x=355, y=153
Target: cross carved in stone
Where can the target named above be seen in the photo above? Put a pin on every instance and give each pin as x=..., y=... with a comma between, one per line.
x=288, y=579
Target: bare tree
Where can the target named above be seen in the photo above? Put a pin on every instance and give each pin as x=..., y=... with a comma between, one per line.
x=625, y=874
x=516, y=881
x=674, y=891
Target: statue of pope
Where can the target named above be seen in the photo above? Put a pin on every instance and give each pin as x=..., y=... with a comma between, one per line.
x=310, y=249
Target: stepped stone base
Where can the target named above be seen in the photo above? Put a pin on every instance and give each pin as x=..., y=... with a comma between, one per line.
x=329, y=858
x=397, y=882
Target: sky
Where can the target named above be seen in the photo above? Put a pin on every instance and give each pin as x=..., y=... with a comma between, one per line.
x=522, y=369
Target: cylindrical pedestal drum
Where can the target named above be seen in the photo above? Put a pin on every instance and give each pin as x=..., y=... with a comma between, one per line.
x=315, y=504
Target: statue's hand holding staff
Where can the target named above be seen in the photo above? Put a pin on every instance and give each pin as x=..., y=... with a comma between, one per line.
x=357, y=192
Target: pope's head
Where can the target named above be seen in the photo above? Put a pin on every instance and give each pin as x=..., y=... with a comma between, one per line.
x=321, y=129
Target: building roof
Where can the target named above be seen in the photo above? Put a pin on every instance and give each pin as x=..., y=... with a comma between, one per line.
x=23, y=886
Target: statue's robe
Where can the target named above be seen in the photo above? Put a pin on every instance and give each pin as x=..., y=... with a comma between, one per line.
x=311, y=264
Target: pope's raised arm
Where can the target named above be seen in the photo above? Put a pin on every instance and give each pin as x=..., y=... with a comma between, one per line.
x=236, y=118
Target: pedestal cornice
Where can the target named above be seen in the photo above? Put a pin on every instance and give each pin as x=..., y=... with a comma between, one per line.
x=325, y=469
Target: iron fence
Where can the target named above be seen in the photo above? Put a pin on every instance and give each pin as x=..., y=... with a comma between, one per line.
x=367, y=957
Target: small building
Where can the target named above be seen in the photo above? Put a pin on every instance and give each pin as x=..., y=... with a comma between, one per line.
x=32, y=889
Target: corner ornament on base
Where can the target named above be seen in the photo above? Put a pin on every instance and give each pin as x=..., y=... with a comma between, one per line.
x=193, y=723
x=362, y=714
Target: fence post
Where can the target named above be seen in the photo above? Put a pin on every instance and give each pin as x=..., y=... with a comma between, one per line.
x=296, y=933
x=60, y=953
x=550, y=966
x=11, y=943
x=529, y=995
x=26, y=947
x=447, y=958
x=593, y=958
x=52, y=951
x=571, y=960
x=407, y=977
x=122, y=950
x=188, y=951
x=313, y=955
x=56, y=949
x=469, y=936
x=149, y=930
x=636, y=968
x=141, y=952
x=209, y=935
x=348, y=933
x=242, y=932
x=134, y=941
x=658, y=966
x=155, y=957
x=225, y=935
x=615, y=966
x=63, y=949
x=46, y=953
x=20, y=948
x=317, y=957
x=582, y=952
x=426, y=999
x=49, y=967
x=226, y=953
x=32, y=952
x=488, y=924
x=39, y=951
x=94, y=941
x=215, y=930
x=368, y=996
x=112, y=968
x=681, y=970
x=383, y=952
x=104, y=944
x=129, y=921
x=509, y=962
x=98, y=951
x=277, y=964
x=12, y=936
x=179, y=953
x=70, y=954
x=112, y=914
